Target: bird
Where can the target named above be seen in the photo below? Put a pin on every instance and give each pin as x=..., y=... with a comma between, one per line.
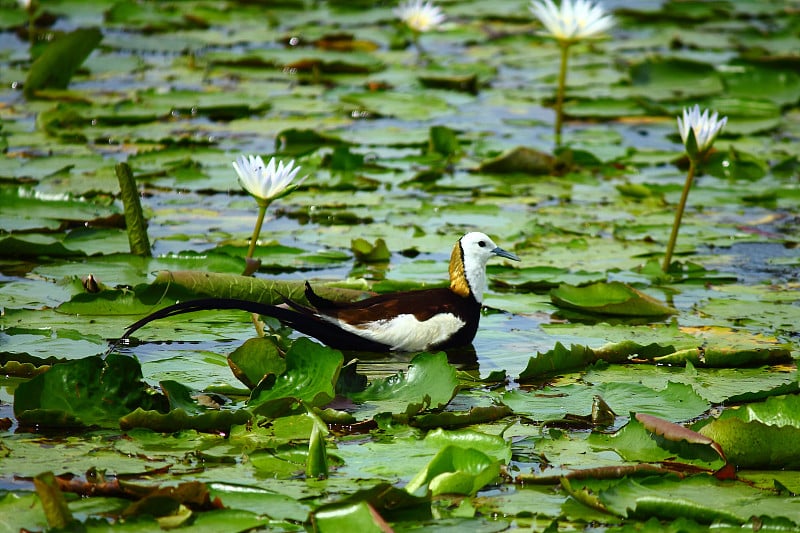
x=410, y=321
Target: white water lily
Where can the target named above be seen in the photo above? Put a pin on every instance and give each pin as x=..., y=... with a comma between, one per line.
x=24, y=4
x=705, y=127
x=698, y=131
x=264, y=183
x=420, y=16
x=574, y=20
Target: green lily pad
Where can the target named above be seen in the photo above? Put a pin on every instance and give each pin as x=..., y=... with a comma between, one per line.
x=635, y=443
x=14, y=247
x=85, y=392
x=180, y=419
x=429, y=384
x=340, y=517
x=310, y=377
x=255, y=359
x=614, y=298
x=671, y=498
x=455, y=470
x=759, y=435
x=675, y=402
x=674, y=78
x=394, y=104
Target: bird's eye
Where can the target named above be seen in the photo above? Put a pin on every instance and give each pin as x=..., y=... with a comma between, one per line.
x=482, y=244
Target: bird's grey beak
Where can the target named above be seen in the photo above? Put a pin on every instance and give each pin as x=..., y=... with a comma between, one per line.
x=504, y=253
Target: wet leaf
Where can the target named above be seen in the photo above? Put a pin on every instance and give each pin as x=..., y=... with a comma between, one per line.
x=429, y=384
x=256, y=500
x=450, y=419
x=759, y=435
x=675, y=401
x=635, y=443
x=394, y=104
x=455, y=470
x=62, y=57
x=670, y=498
x=14, y=247
x=317, y=461
x=358, y=515
x=494, y=446
x=519, y=160
x=676, y=432
x=134, y=218
x=248, y=288
x=614, y=298
x=88, y=391
x=661, y=78
x=370, y=253
x=255, y=359
x=52, y=500
x=310, y=377
x=443, y=141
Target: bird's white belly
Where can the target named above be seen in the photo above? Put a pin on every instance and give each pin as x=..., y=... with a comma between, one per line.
x=406, y=333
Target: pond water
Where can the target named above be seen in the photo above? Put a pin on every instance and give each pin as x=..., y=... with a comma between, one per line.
x=413, y=151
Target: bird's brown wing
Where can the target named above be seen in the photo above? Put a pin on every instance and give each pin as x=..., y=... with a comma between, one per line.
x=423, y=304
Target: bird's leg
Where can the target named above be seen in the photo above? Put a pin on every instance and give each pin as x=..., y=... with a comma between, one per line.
x=259, y=324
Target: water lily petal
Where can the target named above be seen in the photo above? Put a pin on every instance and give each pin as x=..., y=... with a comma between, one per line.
x=420, y=16
x=581, y=19
x=264, y=183
x=705, y=126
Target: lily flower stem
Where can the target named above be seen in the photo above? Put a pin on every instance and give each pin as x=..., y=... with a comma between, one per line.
x=562, y=83
x=679, y=215
x=422, y=54
x=262, y=210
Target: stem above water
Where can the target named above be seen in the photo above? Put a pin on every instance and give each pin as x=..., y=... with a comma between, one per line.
x=679, y=215
x=262, y=210
x=562, y=82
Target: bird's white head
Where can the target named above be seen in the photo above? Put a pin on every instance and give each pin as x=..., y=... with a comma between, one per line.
x=468, y=263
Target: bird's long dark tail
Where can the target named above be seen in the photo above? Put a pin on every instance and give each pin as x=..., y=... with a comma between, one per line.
x=297, y=317
x=207, y=304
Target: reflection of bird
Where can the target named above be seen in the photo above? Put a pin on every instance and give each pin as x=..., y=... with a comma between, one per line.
x=410, y=321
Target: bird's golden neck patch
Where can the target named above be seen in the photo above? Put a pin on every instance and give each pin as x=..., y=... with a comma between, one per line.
x=458, y=278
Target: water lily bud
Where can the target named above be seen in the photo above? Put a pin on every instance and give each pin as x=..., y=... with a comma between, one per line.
x=698, y=131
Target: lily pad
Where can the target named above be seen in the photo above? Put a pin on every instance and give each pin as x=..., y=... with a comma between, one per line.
x=614, y=298
x=455, y=470
x=429, y=384
x=310, y=377
x=759, y=435
x=85, y=392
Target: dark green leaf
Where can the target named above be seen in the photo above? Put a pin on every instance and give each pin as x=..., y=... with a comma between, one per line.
x=443, y=141
x=87, y=391
x=53, y=502
x=614, y=298
x=134, y=218
x=521, y=160
x=256, y=358
x=455, y=470
x=55, y=67
x=430, y=383
x=370, y=253
x=310, y=376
